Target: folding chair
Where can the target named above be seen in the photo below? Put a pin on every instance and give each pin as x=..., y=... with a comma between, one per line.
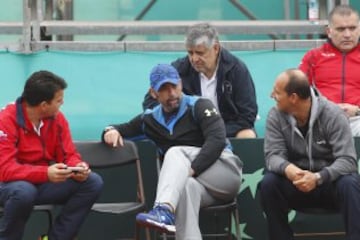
x=47, y=208
x=231, y=210
x=102, y=156
x=317, y=211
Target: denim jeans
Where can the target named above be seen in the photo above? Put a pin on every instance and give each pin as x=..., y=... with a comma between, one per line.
x=19, y=197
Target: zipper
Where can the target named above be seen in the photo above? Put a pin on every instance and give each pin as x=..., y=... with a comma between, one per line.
x=311, y=162
x=343, y=77
x=297, y=131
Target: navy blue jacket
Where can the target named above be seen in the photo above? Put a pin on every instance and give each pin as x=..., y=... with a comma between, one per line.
x=235, y=91
x=197, y=123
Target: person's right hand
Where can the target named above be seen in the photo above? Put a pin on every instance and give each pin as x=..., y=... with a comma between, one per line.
x=58, y=172
x=307, y=182
x=293, y=173
x=113, y=138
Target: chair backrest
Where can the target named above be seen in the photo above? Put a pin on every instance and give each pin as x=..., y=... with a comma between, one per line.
x=100, y=155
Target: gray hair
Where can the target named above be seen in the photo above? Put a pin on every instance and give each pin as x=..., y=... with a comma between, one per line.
x=201, y=33
x=342, y=10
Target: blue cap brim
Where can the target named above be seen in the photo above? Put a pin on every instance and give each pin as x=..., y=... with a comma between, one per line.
x=168, y=80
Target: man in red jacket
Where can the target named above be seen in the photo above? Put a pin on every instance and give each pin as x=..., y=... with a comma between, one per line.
x=37, y=152
x=333, y=68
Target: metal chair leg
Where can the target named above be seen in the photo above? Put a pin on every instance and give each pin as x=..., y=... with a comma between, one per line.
x=237, y=224
x=50, y=219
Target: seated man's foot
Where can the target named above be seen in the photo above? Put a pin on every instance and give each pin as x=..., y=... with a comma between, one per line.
x=160, y=218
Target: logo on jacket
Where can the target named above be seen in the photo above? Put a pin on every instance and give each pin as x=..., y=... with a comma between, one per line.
x=328, y=54
x=210, y=112
x=3, y=135
x=320, y=142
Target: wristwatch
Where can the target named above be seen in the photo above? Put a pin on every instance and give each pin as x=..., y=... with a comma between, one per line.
x=108, y=128
x=319, y=179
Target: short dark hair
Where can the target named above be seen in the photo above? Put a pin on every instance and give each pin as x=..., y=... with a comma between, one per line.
x=298, y=83
x=42, y=86
x=342, y=10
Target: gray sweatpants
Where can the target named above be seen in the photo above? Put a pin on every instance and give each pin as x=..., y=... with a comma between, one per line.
x=220, y=182
x=355, y=125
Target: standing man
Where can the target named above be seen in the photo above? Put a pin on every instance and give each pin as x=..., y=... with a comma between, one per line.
x=198, y=167
x=213, y=72
x=333, y=68
x=310, y=158
x=36, y=153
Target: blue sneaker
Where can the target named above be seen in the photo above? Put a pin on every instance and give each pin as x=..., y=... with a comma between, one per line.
x=160, y=217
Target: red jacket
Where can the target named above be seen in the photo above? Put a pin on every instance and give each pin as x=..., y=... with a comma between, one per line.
x=335, y=74
x=24, y=155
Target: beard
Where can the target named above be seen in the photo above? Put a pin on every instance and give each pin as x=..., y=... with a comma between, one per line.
x=172, y=105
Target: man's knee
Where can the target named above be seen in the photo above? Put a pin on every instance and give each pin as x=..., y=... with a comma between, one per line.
x=187, y=151
x=269, y=184
x=22, y=194
x=176, y=150
x=95, y=182
x=349, y=183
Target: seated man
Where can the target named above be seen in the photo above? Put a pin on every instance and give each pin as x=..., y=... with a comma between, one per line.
x=190, y=134
x=310, y=158
x=333, y=68
x=211, y=71
x=36, y=155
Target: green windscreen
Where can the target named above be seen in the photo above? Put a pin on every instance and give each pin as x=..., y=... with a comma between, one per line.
x=108, y=88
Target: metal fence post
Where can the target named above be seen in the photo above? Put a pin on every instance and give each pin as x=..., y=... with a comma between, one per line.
x=26, y=39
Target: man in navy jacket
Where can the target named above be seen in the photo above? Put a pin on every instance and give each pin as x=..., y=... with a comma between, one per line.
x=211, y=71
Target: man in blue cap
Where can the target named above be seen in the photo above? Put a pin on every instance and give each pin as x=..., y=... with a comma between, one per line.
x=198, y=167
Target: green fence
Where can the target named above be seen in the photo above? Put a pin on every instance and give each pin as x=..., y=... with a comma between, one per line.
x=109, y=87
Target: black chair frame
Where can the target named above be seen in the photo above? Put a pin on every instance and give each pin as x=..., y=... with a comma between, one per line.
x=101, y=156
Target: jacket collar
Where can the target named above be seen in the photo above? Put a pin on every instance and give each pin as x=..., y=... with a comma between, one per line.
x=185, y=102
x=226, y=59
x=315, y=109
x=331, y=46
x=20, y=115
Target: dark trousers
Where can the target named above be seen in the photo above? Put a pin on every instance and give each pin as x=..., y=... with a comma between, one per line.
x=19, y=197
x=279, y=195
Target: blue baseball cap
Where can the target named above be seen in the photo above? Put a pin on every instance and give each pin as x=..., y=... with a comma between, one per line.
x=163, y=73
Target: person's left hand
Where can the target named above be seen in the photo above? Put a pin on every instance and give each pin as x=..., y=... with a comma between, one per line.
x=307, y=181
x=82, y=175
